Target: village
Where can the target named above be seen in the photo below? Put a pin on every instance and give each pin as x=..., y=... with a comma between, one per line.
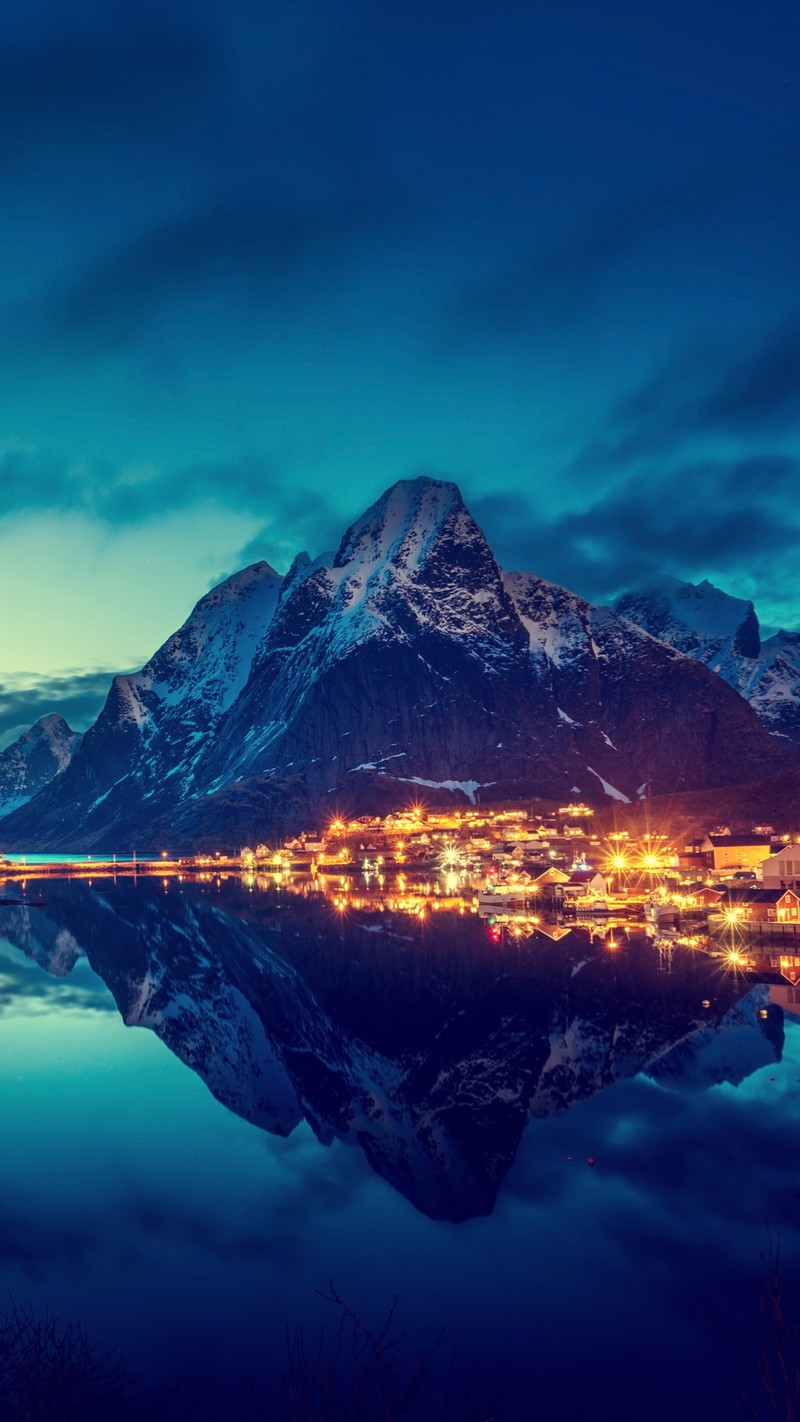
x=525, y=872
x=733, y=893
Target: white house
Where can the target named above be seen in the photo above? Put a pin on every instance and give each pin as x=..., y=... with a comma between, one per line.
x=782, y=870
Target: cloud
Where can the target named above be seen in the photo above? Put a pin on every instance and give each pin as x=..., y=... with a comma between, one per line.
x=301, y=520
x=560, y=278
x=562, y=274
x=729, y=517
x=258, y=249
x=42, y=482
x=762, y=390
x=25, y=696
x=289, y=517
x=702, y=392
x=90, y=80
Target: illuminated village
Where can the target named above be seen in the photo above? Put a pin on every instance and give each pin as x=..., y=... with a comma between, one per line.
x=735, y=895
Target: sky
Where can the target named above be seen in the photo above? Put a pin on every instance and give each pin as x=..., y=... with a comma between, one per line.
x=261, y=260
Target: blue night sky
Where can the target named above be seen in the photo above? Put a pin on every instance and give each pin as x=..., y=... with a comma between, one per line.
x=260, y=260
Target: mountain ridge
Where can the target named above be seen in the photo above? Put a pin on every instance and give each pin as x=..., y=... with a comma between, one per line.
x=407, y=657
x=723, y=633
x=34, y=759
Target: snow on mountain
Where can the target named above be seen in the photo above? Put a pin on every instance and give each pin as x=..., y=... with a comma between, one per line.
x=415, y=576
x=406, y=658
x=155, y=722
x=772, y=685
x=33, y=760
x=723, y=633
x=698, y=619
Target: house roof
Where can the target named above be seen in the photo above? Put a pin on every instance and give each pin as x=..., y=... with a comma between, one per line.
x=792, y=849
x=552, y=875
x=739, y=841
x=756, y=896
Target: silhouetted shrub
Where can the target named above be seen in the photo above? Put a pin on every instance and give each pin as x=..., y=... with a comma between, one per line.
x=52, y=1371
x=777, y=1350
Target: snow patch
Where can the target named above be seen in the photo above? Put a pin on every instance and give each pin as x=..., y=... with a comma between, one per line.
x=467, y=787
x=610, y=790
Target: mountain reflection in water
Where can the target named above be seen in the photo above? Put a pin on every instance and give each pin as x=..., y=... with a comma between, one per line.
x=428, y=1047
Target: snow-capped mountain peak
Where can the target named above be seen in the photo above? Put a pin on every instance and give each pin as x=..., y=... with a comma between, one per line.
x=403, y=526
x=722, y=632
x=698, y=619
x=405, y=659
x=34, y=759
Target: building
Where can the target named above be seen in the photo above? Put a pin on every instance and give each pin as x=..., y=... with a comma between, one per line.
x=761, y=906
x=551, y=877
x=735, y=851
x=584, y=884
x=702, y=895
x=782, y=870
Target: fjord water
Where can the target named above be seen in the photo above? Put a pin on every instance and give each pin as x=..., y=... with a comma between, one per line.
x=323, y=1099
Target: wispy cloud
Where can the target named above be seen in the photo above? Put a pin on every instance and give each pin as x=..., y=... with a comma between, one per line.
x=679, y=517
x=25, y=696
x=703, y=392
x=234, y=250
x=45, y=482
x=92, y=80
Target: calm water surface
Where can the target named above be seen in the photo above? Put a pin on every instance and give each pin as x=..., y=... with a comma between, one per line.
x=402, y=1109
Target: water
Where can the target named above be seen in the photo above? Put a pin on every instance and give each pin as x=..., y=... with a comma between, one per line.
x=34, y=859
x=371, y=1080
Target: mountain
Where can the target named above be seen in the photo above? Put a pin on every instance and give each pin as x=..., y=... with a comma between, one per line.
x=405, y=663
x=142, y=749
x=723, y=633
x=430, y=1052
x=36, y=758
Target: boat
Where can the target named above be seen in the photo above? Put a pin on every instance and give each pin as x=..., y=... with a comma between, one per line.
x=501, y=899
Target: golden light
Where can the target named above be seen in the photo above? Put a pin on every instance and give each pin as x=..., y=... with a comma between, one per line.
x=451, y=858
x=734, y=958
x=337, y=826
x=650, y=861
x=619, y=861
x=732, y=916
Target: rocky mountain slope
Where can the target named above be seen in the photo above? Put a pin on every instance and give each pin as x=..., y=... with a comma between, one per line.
x=406, y=663
x=723, y=633
x=34, y=759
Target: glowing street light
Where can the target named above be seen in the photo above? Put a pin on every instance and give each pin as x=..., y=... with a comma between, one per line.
x=451, y=858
